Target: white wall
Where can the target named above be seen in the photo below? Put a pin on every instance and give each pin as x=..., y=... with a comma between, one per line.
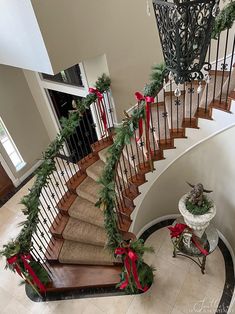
x=22, y=119
x=21, y=41
x=211, y=163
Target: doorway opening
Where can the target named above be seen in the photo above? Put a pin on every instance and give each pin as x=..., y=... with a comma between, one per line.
x=79, y=145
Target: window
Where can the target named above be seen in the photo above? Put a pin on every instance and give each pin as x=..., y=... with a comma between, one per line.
x=10, y=148
x=71, y=76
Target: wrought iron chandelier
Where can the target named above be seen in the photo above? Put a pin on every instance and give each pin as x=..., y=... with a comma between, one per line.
x=185, y=31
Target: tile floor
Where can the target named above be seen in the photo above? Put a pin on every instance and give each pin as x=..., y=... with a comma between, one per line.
x=179, y=287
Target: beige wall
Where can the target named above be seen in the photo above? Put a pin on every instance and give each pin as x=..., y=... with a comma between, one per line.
x=212, y=163
x=77, y=30
x=21, y=117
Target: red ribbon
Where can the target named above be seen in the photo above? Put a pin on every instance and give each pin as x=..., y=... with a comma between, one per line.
x=148, y=101
x=100, y=105
x=178, y=229
x=130, y=264
x=25, y=258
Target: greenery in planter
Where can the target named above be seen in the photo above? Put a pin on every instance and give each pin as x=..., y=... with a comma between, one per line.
x=199, y=210
x=196, y=202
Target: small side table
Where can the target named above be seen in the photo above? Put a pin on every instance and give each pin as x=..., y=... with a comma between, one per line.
x=210, y=239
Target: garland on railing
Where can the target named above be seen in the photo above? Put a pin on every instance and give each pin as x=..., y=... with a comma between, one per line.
x=224, y=20
x=21, y=246
x=136, y=275
x=157, y=77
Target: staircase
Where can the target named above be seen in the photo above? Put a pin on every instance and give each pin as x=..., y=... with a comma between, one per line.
x=80, y=234
x=70, y=238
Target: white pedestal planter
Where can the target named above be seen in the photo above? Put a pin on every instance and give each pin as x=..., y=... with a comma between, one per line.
x=197, y=222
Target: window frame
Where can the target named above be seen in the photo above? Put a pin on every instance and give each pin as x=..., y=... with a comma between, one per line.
x=22, y=163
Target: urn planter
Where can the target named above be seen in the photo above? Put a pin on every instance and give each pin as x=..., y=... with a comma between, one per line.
x=198, y=223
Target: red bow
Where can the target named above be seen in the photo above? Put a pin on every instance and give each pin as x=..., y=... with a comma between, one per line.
x=100, y=106
x=178, y=229
x=130, y=264
x=25, y=258
x=148, y=101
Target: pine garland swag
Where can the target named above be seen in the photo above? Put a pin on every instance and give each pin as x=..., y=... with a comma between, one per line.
x=224, y=20
x=22, y=244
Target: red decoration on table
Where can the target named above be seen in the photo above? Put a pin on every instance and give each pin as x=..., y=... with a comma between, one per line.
x=130, y=264
x=25, y=258
x=148, y=101
x=178, y=229
x=100, y=105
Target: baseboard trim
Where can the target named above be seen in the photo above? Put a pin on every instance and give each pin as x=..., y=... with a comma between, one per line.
x=155, y=221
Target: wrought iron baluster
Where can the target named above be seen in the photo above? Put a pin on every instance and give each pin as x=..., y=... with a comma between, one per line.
x=230, y=71
x=49, y=208
x=37, y=240
x=125, y=172
x=68, y=164
x=62, y=173
x=224, y=65
x=57, y=185
x=133, y=157
x=191, y=100
x=106, y=113
x=129, y=163
x=165, y=116
x=87, y=133
x=171, y=105
x=158, y=122
x=152, y=130
x=216, y=66
x=136, y=145
x=110, y=109
x=90, y=128
x=99, y=119
x=207, y=85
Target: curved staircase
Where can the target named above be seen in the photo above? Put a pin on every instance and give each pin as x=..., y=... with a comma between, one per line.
x=74, y=250
x=82, y=236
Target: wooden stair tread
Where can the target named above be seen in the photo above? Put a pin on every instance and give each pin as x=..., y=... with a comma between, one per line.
x=204, y=114
x=70, y=277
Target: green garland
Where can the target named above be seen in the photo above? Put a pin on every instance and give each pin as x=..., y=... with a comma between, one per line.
x=157, y=76
x=123, y=136
x=224, y=20
x=22, y=244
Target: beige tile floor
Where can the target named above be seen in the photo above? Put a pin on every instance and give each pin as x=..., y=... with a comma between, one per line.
x=179, y=287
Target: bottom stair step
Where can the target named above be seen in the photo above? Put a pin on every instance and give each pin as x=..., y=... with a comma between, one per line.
x=77, y=230
x=70, y=277
x=80, y=253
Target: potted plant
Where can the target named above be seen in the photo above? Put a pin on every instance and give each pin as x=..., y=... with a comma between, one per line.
x=197, y=209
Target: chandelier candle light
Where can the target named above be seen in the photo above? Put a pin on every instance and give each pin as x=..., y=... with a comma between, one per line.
x=185, y=29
